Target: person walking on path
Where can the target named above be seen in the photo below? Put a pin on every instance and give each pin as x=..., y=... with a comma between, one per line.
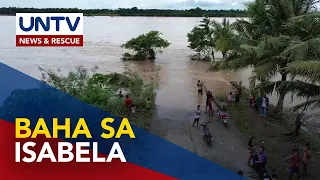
x=294, y=164
x=197, y=116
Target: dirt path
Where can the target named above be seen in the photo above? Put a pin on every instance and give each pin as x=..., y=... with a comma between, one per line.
x=228, y=147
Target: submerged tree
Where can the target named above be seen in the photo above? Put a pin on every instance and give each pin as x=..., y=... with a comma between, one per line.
x=210, y=36
x=201, y=40
x=146, y=46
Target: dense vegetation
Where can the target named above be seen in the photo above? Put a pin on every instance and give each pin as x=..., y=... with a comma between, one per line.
x=146, y=46
x=101, y=90
x=211, y=36
x=197, y=12
x=281, y=37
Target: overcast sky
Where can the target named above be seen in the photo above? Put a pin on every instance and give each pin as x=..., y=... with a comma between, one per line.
x=114, y=4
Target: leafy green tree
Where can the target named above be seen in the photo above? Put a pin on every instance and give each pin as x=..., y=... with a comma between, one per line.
x=145, y=46
x=201, y=40
x=278, y=32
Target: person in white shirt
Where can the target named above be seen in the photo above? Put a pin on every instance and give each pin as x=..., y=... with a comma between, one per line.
x=197, y=116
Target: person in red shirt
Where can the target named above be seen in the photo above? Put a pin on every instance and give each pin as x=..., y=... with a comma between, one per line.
x=128, y=103
x=295, y=163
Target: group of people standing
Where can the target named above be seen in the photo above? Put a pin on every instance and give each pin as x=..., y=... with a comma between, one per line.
x=260, y=103
x=234, y=98
x=257, y=158
x=259, y=161
x=209, y=101
x=296, y=160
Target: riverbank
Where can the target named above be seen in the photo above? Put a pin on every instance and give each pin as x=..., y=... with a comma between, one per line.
x=269, y=133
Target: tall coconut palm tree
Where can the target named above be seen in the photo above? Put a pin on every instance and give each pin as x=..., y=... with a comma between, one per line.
x=223, y=35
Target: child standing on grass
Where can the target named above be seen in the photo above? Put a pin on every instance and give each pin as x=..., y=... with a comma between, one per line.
x=197, y=116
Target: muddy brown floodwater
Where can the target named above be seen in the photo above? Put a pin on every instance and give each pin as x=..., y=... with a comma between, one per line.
x=176, y=97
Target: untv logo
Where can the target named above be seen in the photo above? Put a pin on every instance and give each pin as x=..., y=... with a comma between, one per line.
x=49, y=29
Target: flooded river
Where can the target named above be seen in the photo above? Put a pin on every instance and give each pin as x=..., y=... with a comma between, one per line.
x=103, y=37
x=176, y=97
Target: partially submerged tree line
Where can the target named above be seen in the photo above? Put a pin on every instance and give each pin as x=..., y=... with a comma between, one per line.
x=101, y=90
x=281, y=37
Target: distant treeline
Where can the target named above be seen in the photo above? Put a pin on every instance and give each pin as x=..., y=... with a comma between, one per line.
x=196, y=12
